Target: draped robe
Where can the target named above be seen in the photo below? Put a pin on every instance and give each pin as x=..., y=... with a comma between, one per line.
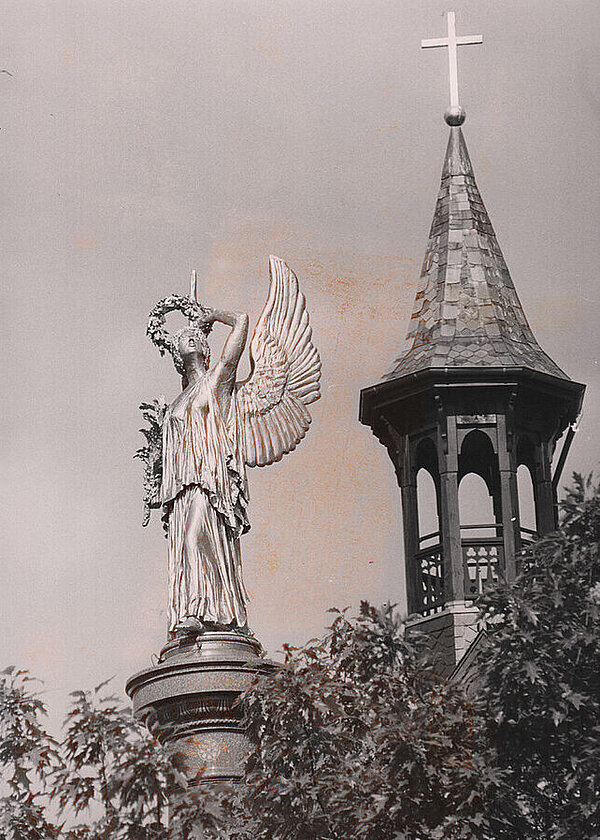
x=203, y=463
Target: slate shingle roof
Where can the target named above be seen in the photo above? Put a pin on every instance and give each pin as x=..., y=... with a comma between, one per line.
x=467, y=312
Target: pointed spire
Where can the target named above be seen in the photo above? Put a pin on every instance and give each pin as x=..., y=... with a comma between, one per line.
x=457, y=160
x=467, y=312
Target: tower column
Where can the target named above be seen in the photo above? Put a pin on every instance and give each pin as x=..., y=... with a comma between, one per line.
x=511, y=530
x=545, y=509
x=454, y=586
x=410, y=520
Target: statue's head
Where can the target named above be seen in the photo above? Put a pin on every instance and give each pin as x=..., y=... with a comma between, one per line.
x=188, y=343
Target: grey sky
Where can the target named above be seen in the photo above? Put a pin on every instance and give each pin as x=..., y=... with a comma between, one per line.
x=142, y=139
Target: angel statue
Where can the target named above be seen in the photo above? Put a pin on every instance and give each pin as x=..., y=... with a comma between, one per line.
x=215, y=428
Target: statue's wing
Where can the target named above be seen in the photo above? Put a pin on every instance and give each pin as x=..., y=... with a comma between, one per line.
x=284, y=373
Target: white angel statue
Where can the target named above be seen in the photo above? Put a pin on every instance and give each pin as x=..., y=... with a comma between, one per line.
x=213, y=430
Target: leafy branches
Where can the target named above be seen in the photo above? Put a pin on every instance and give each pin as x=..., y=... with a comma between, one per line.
x=541, y=691
x=27, y=752
x=106, y=780
x=151, y=454
x=356, y=737
x=28, y=759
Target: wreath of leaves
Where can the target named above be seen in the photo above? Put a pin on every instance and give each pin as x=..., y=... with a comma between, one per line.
x=194, y=312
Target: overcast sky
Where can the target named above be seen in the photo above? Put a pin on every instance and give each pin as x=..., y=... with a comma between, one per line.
x=142, y=139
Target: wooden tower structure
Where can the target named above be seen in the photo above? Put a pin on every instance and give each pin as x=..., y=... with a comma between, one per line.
x=475, y=393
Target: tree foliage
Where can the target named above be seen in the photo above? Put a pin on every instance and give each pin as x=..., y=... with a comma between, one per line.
x=541, y=681
x=106, y=779
x=355, y=736
x=28, y=758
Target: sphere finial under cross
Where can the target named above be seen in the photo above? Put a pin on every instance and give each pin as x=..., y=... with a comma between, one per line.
x=455, y=115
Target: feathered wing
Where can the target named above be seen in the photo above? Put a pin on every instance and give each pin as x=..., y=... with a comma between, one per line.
x=284, y=374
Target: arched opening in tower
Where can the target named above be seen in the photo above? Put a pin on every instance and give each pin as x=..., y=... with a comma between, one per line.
x=480, y=513
x=429, y=524
x=525, y=488
x=429, y=551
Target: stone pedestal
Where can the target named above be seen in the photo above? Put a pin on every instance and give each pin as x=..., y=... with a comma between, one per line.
x=451, y=632
x=190, y=698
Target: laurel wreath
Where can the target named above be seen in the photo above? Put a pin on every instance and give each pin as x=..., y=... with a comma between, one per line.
x=194, y=312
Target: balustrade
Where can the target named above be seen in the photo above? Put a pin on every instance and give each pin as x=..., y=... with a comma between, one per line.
x=483, y=563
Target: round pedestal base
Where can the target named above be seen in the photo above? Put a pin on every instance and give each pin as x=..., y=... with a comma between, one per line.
x=191, y=696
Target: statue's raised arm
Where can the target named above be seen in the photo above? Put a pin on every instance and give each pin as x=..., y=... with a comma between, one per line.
x=213, y=429
x=223, y=375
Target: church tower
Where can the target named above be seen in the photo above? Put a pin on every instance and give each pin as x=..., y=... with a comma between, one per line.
x=474, y=394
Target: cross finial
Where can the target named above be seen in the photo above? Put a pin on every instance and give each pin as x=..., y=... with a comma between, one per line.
x=455, y=115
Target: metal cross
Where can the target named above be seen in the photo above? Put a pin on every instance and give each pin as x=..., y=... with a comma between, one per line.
x=452, y=42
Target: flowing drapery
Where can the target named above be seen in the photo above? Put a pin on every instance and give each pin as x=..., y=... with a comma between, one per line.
x=204, y=482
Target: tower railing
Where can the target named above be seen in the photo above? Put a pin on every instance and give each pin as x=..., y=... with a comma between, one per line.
x=431, y=564
x=483, y=563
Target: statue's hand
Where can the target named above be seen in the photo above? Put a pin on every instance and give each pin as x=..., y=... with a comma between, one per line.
x=210, y=315
x=231, y=319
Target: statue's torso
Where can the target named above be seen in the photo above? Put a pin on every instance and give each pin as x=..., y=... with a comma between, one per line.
x=194, y=399
x=201, y=448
